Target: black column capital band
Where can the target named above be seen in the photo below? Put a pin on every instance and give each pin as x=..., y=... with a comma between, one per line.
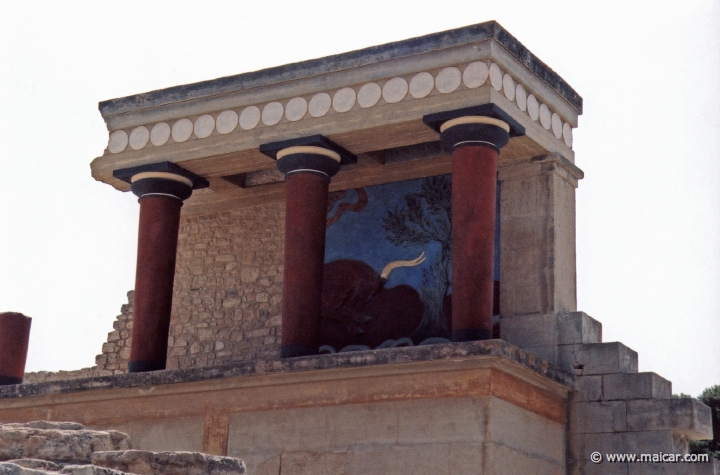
x=313, y=154
x=163, y=178
x=486, y=124
x=467, y=134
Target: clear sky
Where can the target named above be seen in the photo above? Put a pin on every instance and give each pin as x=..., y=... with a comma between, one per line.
x=648, y=210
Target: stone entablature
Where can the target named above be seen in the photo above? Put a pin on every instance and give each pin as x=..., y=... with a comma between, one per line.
x=367, y=101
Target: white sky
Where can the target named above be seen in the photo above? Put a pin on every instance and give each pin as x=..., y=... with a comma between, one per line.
x=648, y=211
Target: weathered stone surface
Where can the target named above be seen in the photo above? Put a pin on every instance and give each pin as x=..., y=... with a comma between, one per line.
x=56, y=442
x=598, y=358
x=90, y=470
x=681, y=416
x=168, y=463
x=578, y=328
x=7, y=468
x=635, y=386
x=595, y=417
x=307, y=363
x=37, y=464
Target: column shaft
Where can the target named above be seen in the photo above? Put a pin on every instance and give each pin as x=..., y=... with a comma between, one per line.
x=157, y=247
x=474, y=172
x=306, y=197
x=14, y=338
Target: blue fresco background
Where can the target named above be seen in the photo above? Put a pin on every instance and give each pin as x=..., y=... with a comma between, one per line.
x=360, y=235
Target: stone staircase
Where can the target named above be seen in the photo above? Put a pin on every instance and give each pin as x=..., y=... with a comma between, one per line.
x=616, y=409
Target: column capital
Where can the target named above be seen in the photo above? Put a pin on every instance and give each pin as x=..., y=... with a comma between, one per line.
x=313, y=154
x=486, y=124
x=161, y=179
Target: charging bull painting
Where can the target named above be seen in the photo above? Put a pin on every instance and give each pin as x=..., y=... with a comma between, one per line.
x=388, y=263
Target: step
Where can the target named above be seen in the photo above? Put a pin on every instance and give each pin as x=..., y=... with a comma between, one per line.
x=598, y=358
x=625, y=386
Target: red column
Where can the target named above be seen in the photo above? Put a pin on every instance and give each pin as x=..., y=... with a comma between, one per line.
x=305, y=221
x=161, y=197
x=474, y=177
x=157, y=246
x=14, y=338
x=475, y=142
x=308, y=170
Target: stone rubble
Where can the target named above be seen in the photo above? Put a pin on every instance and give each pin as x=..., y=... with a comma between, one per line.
x=51, y=448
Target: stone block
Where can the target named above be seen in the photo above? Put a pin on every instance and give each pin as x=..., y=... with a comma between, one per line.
x=292, y=430
x=578, y=328
x=532, y=330
x=440, y=420
x=181, y=434
x=624, y=386
x=90, y=470
x=598, y=358
x=589, y=388
x=436, y=459
x=141, y=462
x=260, y=463
x=503, y=460
x=314, y=463
x=595, y=417
x=581, y=446
x=56, y=441
x=547, y=352
x=365, y=423
x=525, y=432
x=687, y=417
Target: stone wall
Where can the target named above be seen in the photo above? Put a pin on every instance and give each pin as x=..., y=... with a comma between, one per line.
x=227, y=298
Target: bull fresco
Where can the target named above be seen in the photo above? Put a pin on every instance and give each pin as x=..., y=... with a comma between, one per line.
x=388, y=264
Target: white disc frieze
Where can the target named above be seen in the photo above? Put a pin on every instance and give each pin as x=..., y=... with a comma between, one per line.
x=509, y=87
x=249, y=118
x=496, y=77
x=369, y=95
x=475, y=74
x=567, y=134
x=160, y=134
x=545, y=119
x=521, y=97
x=320, y=104
x=556, y=125
x=296, y=108
x=448, y=80
x=344, y=99
x=182, y=130
x=272, y=113
x=118, y=141
x=395, y=90
x=533, y=107
x=421, y=85
x=204, y=126
x=139, y=137
x=226, y=122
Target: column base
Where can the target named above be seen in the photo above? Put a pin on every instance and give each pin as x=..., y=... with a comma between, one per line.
x=291, y=351
x=7, y=380
x=471, y=334
x=144, y=366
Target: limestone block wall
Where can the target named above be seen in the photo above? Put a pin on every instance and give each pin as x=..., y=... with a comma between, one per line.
x=227, y=296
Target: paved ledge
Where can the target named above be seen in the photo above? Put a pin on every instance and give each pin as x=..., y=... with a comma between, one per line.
x=458, y=352
x=353, y=59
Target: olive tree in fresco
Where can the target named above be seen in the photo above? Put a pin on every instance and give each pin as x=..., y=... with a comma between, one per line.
x=425, y=218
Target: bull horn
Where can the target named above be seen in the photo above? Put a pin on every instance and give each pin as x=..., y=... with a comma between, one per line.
x=395, y=264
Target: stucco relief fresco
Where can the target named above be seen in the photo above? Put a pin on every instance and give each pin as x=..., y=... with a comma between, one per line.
x=387, y=279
